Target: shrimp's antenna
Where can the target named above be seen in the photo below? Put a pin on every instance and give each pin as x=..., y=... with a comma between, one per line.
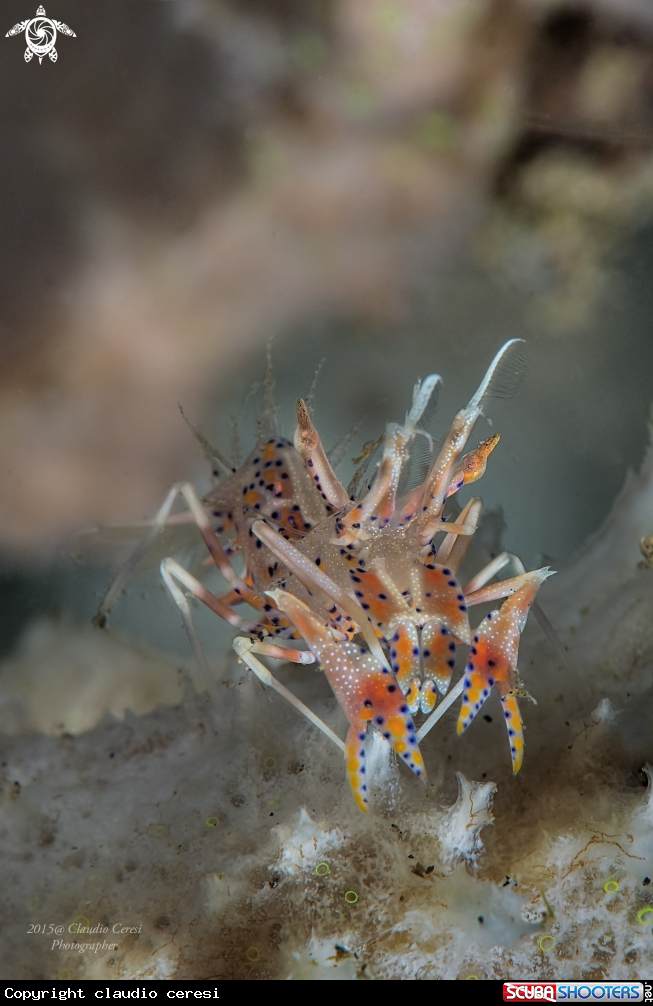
x=212, y=453
x=422, y=393
x=504, y=375
x=418, y=454
x=268, y=421
x=309, y=401
x=337, y=453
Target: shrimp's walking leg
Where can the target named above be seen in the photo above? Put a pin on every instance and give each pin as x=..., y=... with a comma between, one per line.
x=314, y=579
x=181, y=601
x=290, y=656
x=493, y=567
x=504, y=588
x=246, y=648
x=453, y=549
x=486, y=574
x=123, y=575
x=171, y=568
x=172, y=571
x=493, y=662
x=366, y=690
x=163, y=517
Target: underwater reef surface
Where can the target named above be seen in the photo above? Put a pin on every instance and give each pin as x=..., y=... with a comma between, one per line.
x=227, y=839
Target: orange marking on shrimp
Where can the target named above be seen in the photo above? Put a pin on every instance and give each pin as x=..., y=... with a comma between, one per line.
x=404, y=651
x=472, y=466
x=372, y=595
x=366, y=691
x=493, y=662
x=396, y=726
x=515, y=730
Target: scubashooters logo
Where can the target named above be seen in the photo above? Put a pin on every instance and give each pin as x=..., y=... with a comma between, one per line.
x=40, y=35
x=573, y=991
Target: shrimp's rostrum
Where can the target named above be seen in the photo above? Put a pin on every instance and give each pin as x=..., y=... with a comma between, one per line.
x=369, y=584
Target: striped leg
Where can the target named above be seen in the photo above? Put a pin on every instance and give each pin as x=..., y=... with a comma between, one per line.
x=378, y=595
x=355, y=758
x=493, y=662
x=515, y=729
x=366, y=691
x=442, y=610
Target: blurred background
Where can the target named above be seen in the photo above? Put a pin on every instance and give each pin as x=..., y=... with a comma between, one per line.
x=393, y=186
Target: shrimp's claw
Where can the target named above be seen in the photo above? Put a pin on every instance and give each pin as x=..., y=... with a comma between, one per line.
x=388, y=710
x=355, y=756
x=477, y=690
x=477, y=687
x=493, y=662
x=366, y=691
x=515, y=729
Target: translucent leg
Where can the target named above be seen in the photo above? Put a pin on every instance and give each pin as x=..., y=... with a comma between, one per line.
x=504, y=588
x=171, y=568
x=453, y=528
x=283, y=652
x=246, y=648
x=199, y=516
x=485, y=575
x=453, y=549
x=181, y=601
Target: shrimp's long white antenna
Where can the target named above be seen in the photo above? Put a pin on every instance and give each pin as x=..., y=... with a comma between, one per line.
x=492, y=369
x=421, y=396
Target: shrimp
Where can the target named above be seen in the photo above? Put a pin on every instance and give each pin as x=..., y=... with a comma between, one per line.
x=368, y=584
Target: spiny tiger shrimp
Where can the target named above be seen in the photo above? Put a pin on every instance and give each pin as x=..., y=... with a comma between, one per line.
x=361, y=580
